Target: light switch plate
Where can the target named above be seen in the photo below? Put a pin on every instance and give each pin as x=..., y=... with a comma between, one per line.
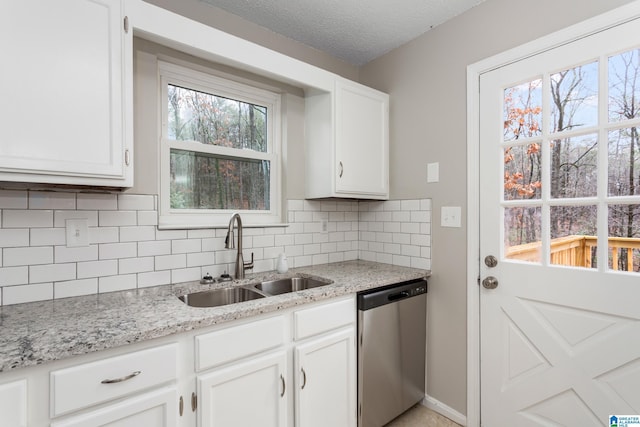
x=451, y=216
x=77, y=233
x=433, y=172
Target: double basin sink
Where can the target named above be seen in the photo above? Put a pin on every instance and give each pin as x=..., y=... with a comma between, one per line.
x=232, y=295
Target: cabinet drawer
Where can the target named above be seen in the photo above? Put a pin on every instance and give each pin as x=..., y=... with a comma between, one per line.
x=315, y=320
x=96, y=382
x=233, y=343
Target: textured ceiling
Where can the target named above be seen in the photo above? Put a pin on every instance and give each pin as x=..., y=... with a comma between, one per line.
x=355, y=31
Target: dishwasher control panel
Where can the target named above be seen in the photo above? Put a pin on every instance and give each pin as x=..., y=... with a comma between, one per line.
x=373, y=298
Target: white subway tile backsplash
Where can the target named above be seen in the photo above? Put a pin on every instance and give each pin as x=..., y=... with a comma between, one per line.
x=138, y=233
x=401, y=260
x=117, y=250
x=135, y=265
x=392, y=205
x=172, y=234
x=27, y=293
x=12, y=238
x=186, y=246
x=104, y=235
x=171, y=262
x=51, y=200
x=97, y=268
x=13, y=199
x=156, y=247
x=83, y=253
x=61, y=217
x=127, y=251
x=201, y=234
x=117, y=283
x=410, y=205
x=303, y=216
x=52, y=272
x=136, y=202
x=200, y=259
x=27, y=256
x=154, y=278
x=18, y=218
x=117, y=218
x=47, y=237
x=74, y=288
x=98, y=202
x=147, y=218
x=185, y=274
x=10, y=276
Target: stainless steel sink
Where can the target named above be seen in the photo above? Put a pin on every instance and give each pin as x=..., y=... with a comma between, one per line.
x=234, y=294
x=292, y=284
x=218, y=297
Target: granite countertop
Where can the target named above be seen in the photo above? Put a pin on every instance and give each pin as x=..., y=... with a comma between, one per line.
x=39, y=332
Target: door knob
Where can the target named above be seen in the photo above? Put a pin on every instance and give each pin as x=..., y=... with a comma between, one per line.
x=490, y=282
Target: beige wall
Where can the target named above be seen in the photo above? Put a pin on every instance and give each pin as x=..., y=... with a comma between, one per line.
x=426, y=79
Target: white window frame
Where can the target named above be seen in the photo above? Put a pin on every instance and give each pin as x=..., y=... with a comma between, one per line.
x=178, y=75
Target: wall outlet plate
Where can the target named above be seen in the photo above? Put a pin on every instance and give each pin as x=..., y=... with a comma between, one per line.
x=77, y=232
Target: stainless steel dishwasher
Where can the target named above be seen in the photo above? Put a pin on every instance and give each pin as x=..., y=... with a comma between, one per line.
x=391, y=351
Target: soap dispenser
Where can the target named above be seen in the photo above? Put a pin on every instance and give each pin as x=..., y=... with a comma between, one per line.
x=282, y=266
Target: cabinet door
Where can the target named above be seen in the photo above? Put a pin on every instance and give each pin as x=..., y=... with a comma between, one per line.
x=251, y=393
x=325, y=381
x=362, y=140
x=62, y=84
x=157, y=409
x=13, y=403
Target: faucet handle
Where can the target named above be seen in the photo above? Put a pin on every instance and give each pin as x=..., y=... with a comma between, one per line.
x=248, y=265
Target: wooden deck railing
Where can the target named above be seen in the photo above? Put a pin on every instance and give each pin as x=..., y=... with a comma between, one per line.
x=577, y=251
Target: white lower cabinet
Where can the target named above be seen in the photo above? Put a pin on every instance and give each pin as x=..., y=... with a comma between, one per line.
x=292, y=368
x=326, y=375
x=13, y=403
x=263, y=389
x=156, y=409
x=248, y=393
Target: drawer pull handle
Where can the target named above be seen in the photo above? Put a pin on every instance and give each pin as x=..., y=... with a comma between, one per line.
x=283, y=386
x=121, y=379
x=304, y=378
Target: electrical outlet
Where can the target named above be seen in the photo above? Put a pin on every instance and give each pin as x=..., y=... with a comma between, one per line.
x=77, y=233
x=324, y=226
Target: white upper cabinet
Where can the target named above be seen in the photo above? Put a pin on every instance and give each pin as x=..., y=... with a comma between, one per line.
x=347, y=143
x=66, y=107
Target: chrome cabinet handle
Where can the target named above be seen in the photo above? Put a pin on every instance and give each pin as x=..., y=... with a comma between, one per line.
x=121, y=379
x=181, y=406
x=304, y=378
x=341, y=170
x=283, y=385
x=194, y=402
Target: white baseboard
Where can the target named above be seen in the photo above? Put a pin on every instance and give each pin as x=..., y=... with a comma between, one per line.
x=439, y=407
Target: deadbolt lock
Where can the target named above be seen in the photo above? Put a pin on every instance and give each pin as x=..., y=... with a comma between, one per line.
x=490, y=261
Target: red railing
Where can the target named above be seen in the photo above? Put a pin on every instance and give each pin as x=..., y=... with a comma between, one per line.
x=577, y=251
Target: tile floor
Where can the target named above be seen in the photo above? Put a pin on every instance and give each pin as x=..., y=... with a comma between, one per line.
x=420, y=416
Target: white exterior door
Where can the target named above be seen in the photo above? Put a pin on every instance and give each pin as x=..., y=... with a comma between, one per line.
x=560, y=212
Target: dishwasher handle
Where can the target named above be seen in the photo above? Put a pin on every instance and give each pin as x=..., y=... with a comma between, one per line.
x=392, y=294
x=398, y=296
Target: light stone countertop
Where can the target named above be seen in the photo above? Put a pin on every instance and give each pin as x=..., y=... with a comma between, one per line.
x=39, y=332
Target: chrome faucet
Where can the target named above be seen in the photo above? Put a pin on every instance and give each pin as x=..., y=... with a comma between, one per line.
x=241, y=266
